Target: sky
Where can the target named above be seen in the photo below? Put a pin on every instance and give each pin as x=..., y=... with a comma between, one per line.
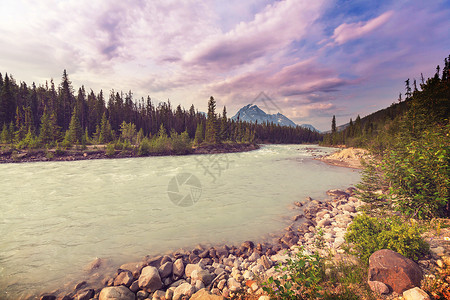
x=313, y=59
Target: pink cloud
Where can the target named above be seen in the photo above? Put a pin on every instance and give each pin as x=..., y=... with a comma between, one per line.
x=346, y=32
x=300, y=78
x=276, y=27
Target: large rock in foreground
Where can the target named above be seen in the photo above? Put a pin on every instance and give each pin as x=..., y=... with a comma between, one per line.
x=396, y=271
x=116, y=293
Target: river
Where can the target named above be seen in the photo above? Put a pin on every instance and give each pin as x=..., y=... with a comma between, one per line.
x=56, y=217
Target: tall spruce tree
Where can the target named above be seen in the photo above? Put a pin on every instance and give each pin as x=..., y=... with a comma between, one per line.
x=7, y=101
x=75, y=132
x=46, y=131
x=212, y=134
x=199, y=133
x=224, y=125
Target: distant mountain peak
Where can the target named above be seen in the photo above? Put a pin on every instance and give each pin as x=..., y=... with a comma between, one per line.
x=252, y=113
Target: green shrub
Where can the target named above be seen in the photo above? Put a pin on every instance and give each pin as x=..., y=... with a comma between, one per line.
x=181, y=144
x=110, y=151
x=419, y=174
x=29, y=142
x=49, y=155
x=144, y=147
x=58, y=150
x=300, y=280
x=368, y=234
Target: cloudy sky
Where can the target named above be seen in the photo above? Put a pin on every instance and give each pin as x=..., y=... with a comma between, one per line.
x=313, y=58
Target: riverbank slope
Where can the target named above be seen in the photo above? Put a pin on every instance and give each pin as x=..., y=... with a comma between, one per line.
x=101, y=152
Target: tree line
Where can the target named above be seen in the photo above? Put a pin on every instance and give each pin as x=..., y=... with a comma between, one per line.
x=47, y=116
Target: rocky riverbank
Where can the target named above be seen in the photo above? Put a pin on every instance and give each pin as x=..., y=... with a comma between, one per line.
x=100, y=152
x=238, y=271
x=225, y=271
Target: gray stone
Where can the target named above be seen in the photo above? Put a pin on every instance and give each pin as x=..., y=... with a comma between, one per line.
x=150, y=279
x=167, y=281
x=203, y=294
x=415, y=294
x=95, y=264
x=221, y=284
x=177, y=283
x=134, y=287
x=159, y=295
x=324, y=222
x=184, y=289
x=265, y=262
x=169, y=294
x=190, y=268
x=124, y=278
x=437, y=252
x=348, y=208
x=202, y=275
x=116, y=293
x=199, y=285
x=254, y=257
x=85, y=295
x=338, y=241
x=248, y=275
x=277, y=258
x=237, y=264
x=378, y=287
x=135, y=268
x=233, y=284
x=141, y=295
x=166, y=269
x=178, y=268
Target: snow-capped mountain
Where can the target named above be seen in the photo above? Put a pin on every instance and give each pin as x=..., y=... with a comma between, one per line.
x=252, y=113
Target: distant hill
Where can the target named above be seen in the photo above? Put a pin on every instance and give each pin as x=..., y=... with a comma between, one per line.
x=252, y=113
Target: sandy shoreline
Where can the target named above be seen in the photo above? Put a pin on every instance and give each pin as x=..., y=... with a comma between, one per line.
x=348, y=158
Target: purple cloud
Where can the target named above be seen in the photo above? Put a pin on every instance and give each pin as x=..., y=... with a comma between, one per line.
x=277, y=26
x=346, y=32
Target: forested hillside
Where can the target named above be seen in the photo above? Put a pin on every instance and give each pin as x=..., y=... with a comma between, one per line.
x=423, y=105
x=411, y=145
x=47, y=116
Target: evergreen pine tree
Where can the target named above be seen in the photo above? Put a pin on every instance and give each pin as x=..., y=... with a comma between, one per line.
x=4, y=135
x=46, y=131
x=75, y=132
x=21, y=130
x=224, y=125
x=7, y=101
x=198, y=134
x=105, y=130
x=333, y=125
x=211, y=135
x=11, y=132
